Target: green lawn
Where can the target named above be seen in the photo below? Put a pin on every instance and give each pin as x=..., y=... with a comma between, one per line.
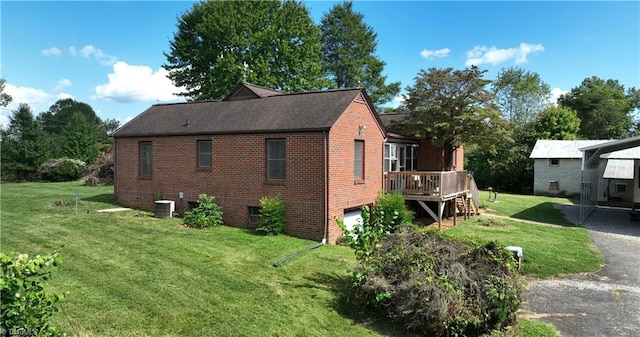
x=548, y=250
x=129, y=274
x=526, y=207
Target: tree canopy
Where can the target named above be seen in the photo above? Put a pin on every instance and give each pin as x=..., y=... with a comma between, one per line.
x=74, y=130
x=557, y=123
x=348, y=52
x=277, y=41
x=453, y=107
x=5, y=98
x=521, y=95
x=604, y=107
x=23, y=146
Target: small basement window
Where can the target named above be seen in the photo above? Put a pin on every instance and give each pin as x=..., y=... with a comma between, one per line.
x=554, y=186
x=621, y=188
x=554, y=162
x=254, y=215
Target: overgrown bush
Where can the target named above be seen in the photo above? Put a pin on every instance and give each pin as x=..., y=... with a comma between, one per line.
x=64, y=169
x=439, y=286
x=272, y=219
x=365, y=235
x=392, y=210
x=26, y=305
x=101, y=173
x=388, y=213
x=207, y=214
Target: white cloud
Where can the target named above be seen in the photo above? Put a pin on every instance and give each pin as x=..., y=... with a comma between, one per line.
x=64, y=95
x=556, y=93
x=38, y=101
x=397, y=101
x=428, y=54
x=63, y=83
x=53, y=51
x=482, y=54
x=130, y=83
x=89, y=50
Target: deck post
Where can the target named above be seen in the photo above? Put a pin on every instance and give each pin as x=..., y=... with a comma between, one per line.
x=455, y=212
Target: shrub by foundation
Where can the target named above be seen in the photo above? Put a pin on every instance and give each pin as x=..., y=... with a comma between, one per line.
x=206, y=214
x=272, y=218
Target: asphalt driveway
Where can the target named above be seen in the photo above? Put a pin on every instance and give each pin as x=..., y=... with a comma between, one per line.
x=606, y=303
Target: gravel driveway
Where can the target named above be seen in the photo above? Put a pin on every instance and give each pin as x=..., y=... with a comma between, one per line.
x=606, y=303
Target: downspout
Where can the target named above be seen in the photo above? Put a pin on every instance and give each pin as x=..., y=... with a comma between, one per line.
x=325, y=140
x=326, y=209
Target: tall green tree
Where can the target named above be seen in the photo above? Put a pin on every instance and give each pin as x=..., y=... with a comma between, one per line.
x=604, y=107
x=5, y=98
x=454, y=107
x=521, y=95
x=74, y=130
x=24, y=146
x=277, y=41
x=557, y=123
x=349, y=54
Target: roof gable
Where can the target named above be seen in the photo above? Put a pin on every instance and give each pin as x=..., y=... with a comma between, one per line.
x=250, y=91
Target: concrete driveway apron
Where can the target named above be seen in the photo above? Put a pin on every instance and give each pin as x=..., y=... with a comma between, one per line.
x=606, y=303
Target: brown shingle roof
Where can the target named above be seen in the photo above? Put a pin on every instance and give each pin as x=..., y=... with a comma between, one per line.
x=311, y=111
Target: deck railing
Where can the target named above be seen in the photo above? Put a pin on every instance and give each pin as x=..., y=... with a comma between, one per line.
x=437, y=184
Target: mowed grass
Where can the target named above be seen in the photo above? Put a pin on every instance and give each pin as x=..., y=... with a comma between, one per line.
x=548, y=250
x=526, y=207
x=128, y=274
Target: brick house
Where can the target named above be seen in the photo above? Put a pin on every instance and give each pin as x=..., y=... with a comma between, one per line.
x=322, y=152
x=405, y=153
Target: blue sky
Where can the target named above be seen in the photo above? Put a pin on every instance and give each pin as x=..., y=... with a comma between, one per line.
x=109, y=54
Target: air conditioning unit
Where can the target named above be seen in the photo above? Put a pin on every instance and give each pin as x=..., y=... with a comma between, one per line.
x=165, y=208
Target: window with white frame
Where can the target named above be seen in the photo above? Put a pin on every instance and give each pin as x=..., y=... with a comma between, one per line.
x=390, y=157
x=621, y=188
x=554, y=162
x=554, y=186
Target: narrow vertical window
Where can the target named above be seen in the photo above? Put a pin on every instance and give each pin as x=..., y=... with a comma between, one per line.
x=276, y=159
x=145, y=156
x=358, y=160
x=204, y=154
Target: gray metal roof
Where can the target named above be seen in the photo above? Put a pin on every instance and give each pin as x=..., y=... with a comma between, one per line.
x=619, y=169
x=614, y=145
x=632, y=153
x=545, y=148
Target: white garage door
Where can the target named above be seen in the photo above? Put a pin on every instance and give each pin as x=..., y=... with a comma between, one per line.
x=352, y=218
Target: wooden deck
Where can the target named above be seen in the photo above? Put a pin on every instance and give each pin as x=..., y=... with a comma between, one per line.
x=439, y=186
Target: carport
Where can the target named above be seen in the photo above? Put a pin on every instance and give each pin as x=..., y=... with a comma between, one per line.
x=590, y=173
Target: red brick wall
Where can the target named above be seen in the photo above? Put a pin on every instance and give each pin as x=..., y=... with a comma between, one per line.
x=237, y=178
x=433, y=158
x=344, y=192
